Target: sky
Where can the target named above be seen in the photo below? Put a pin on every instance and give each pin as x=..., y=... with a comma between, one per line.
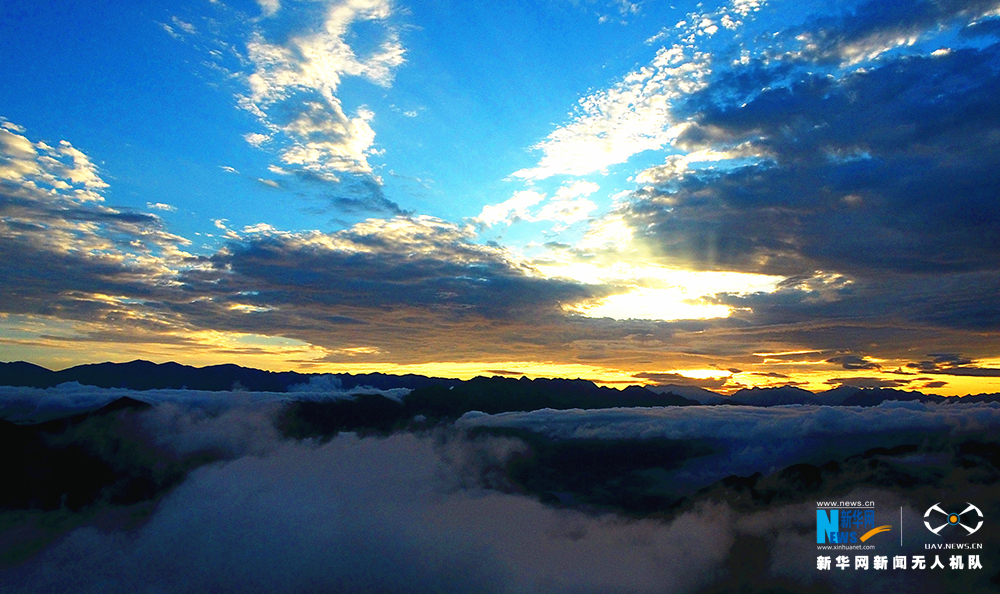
x=753, y=193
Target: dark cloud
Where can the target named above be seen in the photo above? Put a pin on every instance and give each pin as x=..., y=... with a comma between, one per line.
x=884, y=170
x=351, y=194
x=971, y=371
x=984, y=27
x=867, y=382
x=366, y=196
x=505, y=372
x=682, y=380
x=63, y=251
x=854, y=362
x=881, y=25
x=953, y=364
x=404, y=262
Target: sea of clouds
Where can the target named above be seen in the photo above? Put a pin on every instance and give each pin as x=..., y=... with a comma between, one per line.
x=404, y=513
x=752, y=439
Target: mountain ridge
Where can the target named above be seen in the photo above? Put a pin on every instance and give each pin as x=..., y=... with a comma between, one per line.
x=145, y=375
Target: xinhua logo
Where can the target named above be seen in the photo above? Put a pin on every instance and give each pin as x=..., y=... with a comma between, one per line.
x=953, y=519
x=842, y=526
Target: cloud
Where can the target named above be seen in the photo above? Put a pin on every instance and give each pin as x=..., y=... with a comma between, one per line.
x=29, y=405
x=611, y=126
x=269, y=7
x=404, y=262
x=434, y=512
x=362, y=195
x=874, y=28
x=84, y=255
x=293, y=88
x=860, y=187
x=683, y=380
x=328, y=141
x=752, y=439
x=878, y=168
x=510, y=210
x=114, y=276
x=569, y=205
x=161, y=206
x=868, y=382
x=854, y=362
x=397, y=514
x=256, y=139
x=43, y=168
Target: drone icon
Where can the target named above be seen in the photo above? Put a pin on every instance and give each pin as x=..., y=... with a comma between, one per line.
x=953, y=519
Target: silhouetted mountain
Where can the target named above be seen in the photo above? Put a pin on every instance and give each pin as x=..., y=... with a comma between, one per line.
x=876, y=396
x=21, y=373
x=384, y=381
x=773, y=396
x=837, y=395
x=374, y=413
x=144, y=375
x=977, y=398
x=514, y=394
x=499, y=394
x=690, y=392
x=75, y=461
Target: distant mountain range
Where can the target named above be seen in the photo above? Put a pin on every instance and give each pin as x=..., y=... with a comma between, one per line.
x=522, y=394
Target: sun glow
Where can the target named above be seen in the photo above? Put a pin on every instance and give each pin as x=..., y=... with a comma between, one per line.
x=651, y=292
x=651, y=304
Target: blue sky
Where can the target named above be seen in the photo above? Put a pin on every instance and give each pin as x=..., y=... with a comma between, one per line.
x=736, y=194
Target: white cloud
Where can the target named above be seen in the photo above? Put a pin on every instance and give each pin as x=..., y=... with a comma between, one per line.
x=256, y=139
x=170, y=31
x=611, y=126
x=269, y=7
x=569, y=205
x=511, y=209
x=184, y=26
x=399, y=514
x=745, y=7
x=11, y=126
x=161, y=206
x=576, y=190
x=610, y=232
x=785, y=429
x=35, y=404
x=293, y=87
x=326, y=140
x=676, y=167
x=566, y=207
x=41, y=167
x=53, y=207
